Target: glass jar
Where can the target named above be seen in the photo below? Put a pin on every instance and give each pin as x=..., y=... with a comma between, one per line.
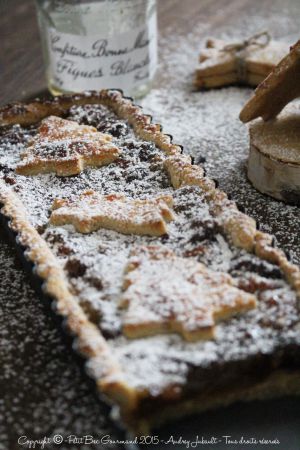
x=96, y=44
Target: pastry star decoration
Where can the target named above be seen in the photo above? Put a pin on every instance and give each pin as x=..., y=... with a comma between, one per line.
x=91, y=211
x=246, y=62
x=64, y=147
x=164, y=293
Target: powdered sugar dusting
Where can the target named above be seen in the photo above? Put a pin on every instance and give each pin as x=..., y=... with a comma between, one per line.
x=207, y=124
x=64, y=147
x=40, y=377
x=92, y=211
x=95, y=262
x=162, y=293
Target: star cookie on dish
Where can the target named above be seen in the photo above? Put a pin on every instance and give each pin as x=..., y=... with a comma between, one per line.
x=92, y=211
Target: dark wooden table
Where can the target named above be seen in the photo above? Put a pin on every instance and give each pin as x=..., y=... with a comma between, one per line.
x=42, y=390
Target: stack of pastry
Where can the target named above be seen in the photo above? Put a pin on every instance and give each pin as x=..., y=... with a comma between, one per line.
x=248, y=62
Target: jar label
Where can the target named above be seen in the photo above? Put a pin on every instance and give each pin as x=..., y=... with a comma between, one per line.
x=125, y=61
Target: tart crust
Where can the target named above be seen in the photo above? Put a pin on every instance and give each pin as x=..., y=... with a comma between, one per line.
x=239, y=228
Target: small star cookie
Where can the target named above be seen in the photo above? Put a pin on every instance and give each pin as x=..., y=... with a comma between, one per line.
x=164, y=293
x=247, y=62
x=64, y=147
x=91, y=211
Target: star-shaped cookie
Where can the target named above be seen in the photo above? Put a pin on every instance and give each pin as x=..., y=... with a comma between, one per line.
x=91, y=211
x=164, y=293
x=65, y=147
x=277, y=90
x=248, y=62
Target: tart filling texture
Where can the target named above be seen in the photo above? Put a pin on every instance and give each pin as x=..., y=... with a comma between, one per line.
x=172, y=292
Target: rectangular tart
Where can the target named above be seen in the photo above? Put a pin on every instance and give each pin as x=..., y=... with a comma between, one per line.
x=177, y=301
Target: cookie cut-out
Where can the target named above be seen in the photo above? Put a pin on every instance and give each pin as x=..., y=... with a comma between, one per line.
x=64, y=147
x=144, y=379
x=247, y=62
x=92, y=211
x=277, y=90
x=164, y=293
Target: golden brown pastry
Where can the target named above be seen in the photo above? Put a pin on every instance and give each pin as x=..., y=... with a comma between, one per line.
x=247, y=62
x=91, y=211
x=274, y=161
x=66, y=148
x=159, y=377
x=277, y=90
